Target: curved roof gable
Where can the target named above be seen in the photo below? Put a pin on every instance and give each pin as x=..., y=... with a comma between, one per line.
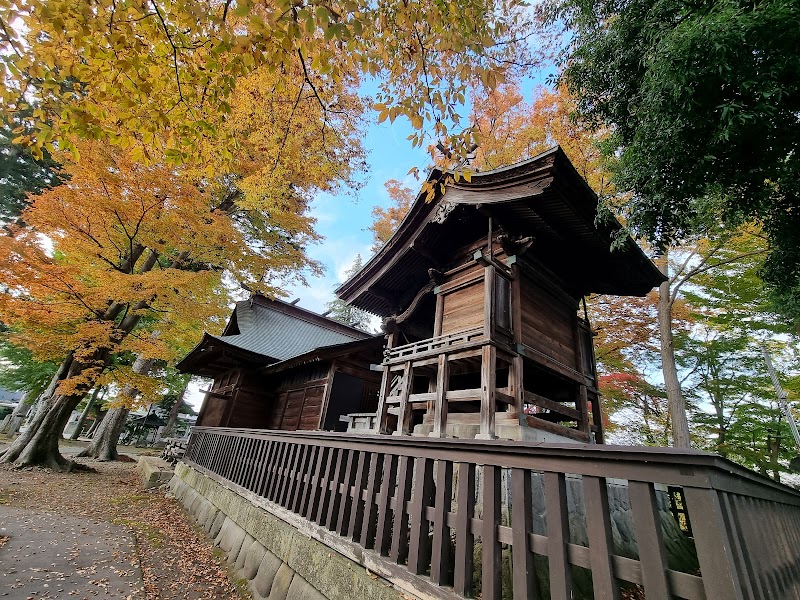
x=543, y=197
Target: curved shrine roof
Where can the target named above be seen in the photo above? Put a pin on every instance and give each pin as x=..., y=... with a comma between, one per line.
x=262, y=331
x=544, y=198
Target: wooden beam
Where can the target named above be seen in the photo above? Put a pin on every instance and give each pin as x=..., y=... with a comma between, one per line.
x=415, y=302
x=532, y=398
x=556, y=429
x=462, y=395
x=503, y=397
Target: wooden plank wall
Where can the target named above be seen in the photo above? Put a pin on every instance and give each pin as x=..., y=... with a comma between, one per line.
x=463, y=307
x=213, y=413
x=299, y=407
x=548, y=323
x=250, y=403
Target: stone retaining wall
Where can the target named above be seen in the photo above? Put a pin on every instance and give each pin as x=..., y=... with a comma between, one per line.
x=277, y=560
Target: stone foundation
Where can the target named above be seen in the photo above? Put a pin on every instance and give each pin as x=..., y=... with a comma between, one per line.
x=153, y=471
x=278, y=561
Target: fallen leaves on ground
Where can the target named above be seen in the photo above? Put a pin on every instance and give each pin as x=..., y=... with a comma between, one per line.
x=177, y=561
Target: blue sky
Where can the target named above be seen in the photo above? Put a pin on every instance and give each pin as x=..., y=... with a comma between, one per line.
x=343, y=220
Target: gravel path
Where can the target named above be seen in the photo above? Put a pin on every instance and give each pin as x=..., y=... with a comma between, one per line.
x=47, y=555
x=175, y=559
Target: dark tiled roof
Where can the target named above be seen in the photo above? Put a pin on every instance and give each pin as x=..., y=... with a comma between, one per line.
x=273, y=331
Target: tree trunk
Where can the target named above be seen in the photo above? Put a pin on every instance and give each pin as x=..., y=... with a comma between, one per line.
x=34, y=403
x=173, y=413
x=100, y=416
x=774, y=450
x=82, y=419
x=675, y=401
x=104, y=442
x=11, y=425
x=38, y=446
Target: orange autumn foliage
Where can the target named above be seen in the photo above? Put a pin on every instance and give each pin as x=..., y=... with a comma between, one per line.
x=387, y=220
x=144, y=238
x=509, y=129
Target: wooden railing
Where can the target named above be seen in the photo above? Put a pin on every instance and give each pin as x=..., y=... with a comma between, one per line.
x=423, y=506
x=435, y=345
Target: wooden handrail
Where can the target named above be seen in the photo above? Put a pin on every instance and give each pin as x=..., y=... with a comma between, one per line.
x=388, y=493
x=432, y=345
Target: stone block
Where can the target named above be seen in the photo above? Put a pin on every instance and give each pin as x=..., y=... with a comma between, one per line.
x=216, y=525
x=153, y=471
x=300, y=589
x=262, y=582
x=281, y=583
x=238, y=560
x=252, y=560
x=230, y=538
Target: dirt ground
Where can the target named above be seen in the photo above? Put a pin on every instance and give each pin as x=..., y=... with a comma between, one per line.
x=176, y=559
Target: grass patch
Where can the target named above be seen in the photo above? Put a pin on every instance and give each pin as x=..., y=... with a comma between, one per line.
x=127, y=500
x=151, y=533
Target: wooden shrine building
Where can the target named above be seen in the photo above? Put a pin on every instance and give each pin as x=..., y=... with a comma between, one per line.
x=480, y=291
x=279, y=366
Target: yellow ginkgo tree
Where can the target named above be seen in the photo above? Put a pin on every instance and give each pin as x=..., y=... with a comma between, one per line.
x=160, y=77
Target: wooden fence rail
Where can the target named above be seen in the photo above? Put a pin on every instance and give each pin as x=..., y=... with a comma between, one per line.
x=429, y=504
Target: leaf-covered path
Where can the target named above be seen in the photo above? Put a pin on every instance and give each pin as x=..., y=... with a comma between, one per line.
x=176, y=561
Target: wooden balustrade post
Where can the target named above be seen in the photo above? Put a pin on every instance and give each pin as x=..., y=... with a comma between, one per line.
x=419, y=546
x=601, y=543
x=714, y=547
x=369, y=526
x=440, y=551
x=555, y=496
x=491, y=580
x=383, y=528
x=399, y=549
x=649, y=540
x=524, y=574
x=465, y=538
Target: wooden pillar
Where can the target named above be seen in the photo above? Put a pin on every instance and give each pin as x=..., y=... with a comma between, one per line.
x=488, y=301
x=488, y=392
x=404, y=418
x=382, y=414
x=437, y=321
x=517, y=379
x=517, y=388
x=440, y=406
x=583, y=397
